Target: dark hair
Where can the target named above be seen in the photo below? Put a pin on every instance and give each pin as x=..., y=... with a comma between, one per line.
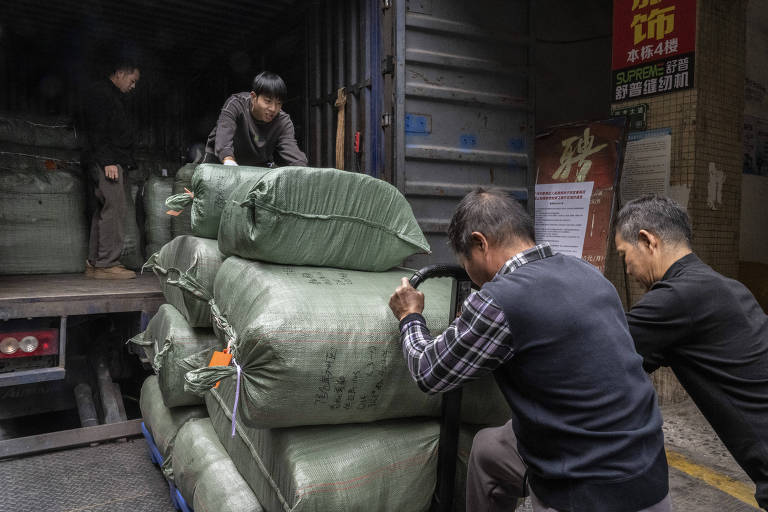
x=494, y=214
x=657, y=214
x=270, y=84
x=128, y=65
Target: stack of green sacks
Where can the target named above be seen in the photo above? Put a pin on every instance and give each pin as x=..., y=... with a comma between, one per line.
x=180, y=338
x=326, y=416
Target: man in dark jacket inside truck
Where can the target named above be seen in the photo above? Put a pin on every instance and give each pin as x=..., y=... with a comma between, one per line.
x=253, y=130
x=586, y=430
x=709, y=329
x=108, y=155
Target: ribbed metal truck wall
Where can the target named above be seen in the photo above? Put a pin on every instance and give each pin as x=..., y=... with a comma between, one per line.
x=463, y=106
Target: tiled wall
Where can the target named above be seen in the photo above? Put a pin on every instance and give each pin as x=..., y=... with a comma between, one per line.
x=706, y=124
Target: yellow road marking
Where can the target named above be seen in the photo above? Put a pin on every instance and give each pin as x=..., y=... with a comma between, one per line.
x=728, y=485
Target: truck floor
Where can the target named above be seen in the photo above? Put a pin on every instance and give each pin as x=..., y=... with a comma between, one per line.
x=110, y=477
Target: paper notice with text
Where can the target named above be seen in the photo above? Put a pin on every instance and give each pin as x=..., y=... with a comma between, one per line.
x=562, y=214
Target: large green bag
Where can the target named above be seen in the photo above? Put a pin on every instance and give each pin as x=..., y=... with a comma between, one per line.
x=211, y=186
x=177, y=348
x=43, y=222
x=321, y=346
x=321, y=217
x=157, y=223
x=163, y=423
x=381, y=466
x=187, y=267
x=132, y=255
x=38, y=131
x=205, y=475
x=30, y=158
x=181, y=221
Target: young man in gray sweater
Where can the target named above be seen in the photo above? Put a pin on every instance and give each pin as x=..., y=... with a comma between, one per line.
x=253, y=130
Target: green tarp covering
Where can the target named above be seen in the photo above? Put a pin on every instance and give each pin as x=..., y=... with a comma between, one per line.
x=157, y=224
x=177, y=348
x=321, y=346
x=189, y=264
x=43, y=222
x=205, y=475
x=387, y=465
x=181, y=224
x=322, y=217
x=163, y=423
x=211, y=186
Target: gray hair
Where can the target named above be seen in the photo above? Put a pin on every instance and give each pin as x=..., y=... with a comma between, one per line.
x=494, y=214
x=658, y=215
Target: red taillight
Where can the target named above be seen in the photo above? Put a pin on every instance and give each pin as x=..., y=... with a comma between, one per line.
x=29, y=343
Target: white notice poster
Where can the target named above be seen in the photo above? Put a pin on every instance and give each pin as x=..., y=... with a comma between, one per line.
x=646, y=164
x=561, y=211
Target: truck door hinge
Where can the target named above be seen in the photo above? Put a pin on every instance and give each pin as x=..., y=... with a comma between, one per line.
x=386, y=120
x=388, y=65
x=386, y=4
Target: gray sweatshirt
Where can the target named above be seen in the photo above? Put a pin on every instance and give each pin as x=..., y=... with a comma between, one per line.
x=251, y=142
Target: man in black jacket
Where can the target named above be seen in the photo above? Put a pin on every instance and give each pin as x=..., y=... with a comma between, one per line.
x=108, y=154
x=709, y=329
x=586, y=431
x=253, y=130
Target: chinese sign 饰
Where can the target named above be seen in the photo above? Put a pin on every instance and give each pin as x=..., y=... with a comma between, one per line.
x=654, y=44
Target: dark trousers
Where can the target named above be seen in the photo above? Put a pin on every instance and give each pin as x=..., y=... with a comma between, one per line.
x=496, y=475
x=107, y=228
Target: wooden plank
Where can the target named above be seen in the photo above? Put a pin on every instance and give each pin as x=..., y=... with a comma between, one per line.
x=29, y=445
x=74, y=294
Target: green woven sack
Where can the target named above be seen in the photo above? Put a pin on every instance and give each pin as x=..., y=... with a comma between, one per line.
x=181, y=221
x=204, y=473
x=211, y=185
x=178, y=348
x=387, y=465
x=132, y=256
x=322, y=217
x=163, y=423
x=186, y=267
x=157, y=224
x=320, y=346
x=30, y=158
x=38, y=131
x=43, y=222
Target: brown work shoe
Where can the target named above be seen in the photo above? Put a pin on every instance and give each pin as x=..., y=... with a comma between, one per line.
x=116, y=272
x=89, y=269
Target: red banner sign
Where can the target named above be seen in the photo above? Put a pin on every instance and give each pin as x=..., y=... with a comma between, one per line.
x=653, y=47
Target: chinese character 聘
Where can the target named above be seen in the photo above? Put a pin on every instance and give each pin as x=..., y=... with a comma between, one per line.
x=646, y=52
x=635, y=89
x=641, y=4
x=584, y=146
x=621, y=92
x=649, y=86
x=632, y=56
x=682, y=64
x=670, y=46
x=665, y=83
x=681, y=80
x=671, y=67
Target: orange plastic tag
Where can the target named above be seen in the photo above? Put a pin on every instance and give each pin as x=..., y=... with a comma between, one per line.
x=173, y=212
x=189, y=192
x=220, y=359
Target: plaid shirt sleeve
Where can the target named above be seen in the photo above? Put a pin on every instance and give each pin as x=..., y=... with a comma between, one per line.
x=476, y=343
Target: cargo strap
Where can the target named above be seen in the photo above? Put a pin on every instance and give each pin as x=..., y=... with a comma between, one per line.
x=341, y=102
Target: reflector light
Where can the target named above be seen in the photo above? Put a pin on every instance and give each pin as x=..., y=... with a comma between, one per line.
x=29, y=344
x=40, y=342
x=9, y=345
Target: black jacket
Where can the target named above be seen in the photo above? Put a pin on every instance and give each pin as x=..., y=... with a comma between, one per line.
x=713, y=334
x=109, y=128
